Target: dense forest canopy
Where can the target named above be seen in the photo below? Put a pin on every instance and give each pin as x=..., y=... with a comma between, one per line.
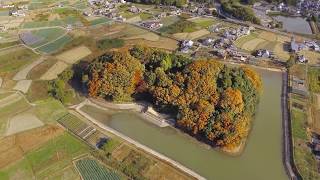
x=210, y=100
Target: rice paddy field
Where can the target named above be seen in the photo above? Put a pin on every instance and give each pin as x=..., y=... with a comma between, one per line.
x=265, y=40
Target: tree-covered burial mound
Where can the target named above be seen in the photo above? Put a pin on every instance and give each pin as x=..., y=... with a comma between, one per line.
x=209, y=100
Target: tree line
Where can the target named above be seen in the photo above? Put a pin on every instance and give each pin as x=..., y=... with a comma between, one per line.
x=211, y=101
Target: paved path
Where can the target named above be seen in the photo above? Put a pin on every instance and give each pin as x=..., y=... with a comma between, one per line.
x=139, y=145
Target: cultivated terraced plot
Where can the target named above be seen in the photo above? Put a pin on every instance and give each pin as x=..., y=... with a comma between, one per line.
x=90, y=169
x=37, y=38
x=192, y=35
x=73, y=55
x=22, y=74
x=22, y=122
x=265, y=40
x=55, y=45
x=54, y=71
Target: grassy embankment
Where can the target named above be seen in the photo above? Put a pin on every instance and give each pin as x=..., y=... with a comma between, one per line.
x=301, y=124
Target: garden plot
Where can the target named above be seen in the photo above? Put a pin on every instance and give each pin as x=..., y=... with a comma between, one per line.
x=269, y=36
x=148, y=36
x=312, y=56
x=14, y=23
x=163, y=43
x=203, y=22
x=252, y=44
x=192, y=35
x=281, y=52
x=90, y=169
x=22, y=74
x=29, y=39
x=98, y=21
x=13, y=59
x=54, y=71
x=22, y=122
x=23, y=85
x=134, y=19
x=73, y=55
x=167, y=21
x=54, y=46
x=13, y=148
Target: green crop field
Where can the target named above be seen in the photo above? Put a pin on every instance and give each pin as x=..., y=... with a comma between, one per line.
x=8, y=44
x=55, y=45
x=47, y=35
x=203, y=22
x=49, y=110
x=63, y=22
x=99, y=21
x=80, y=5
x=166, y=21
x=12, y=61
x=90, y=169
x=53, y=160
x=9, y=111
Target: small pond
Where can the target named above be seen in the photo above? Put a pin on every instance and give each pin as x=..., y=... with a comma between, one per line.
x=295, y=24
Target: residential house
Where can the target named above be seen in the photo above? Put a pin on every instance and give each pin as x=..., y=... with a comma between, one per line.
x=134, y=9
x=263, y=53
x=302, y=59
x=151, y=24
x=186, y=45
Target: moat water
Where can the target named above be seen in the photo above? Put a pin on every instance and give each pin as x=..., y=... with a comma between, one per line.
x=260, y=160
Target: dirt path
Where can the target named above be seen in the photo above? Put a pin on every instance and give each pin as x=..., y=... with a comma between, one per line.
x=23, y=86
x=10, y=100
x=22, y=74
